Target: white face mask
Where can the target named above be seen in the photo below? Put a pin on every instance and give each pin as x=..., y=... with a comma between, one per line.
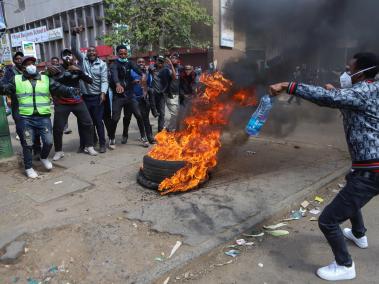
x=31, y=69
x=345, y=78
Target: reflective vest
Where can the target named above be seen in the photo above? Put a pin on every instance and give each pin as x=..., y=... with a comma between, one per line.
x=30, y=98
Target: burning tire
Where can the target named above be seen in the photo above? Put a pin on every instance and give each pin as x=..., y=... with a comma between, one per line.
x=155, y=171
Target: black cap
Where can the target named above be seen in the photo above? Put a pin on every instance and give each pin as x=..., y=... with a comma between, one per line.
x=18, y=53
x=28, y=58
x=66, y=52
x=161, y=59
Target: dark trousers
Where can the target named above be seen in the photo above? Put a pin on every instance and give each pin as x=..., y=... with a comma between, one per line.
x=145, y=111
x=107, y=115
x=133, y=107
x=118, y=103
x=347, y=205
x=96, y=110
x=84, y=122
x=28, y=128
x=160, y=104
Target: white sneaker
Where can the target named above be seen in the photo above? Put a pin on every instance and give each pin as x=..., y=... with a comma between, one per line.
x=361, y=242
x=58, y=155
x=335, y=272
x=31, y=173
x=112, y=144
x=47, y=164
x=90, y=151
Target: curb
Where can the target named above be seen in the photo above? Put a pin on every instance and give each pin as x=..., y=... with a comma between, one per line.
x=205, y=247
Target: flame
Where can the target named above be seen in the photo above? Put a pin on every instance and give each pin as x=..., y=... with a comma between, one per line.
x=246, y=97
x=199, y=142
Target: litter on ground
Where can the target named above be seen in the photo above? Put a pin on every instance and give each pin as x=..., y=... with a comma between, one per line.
x=274, y=227
x=278, y=233
x=175, y=248
x=232, y=252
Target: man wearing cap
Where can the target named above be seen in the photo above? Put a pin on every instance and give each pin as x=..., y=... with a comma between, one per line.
x=10, y=72
x=70, y=75
x=31, y=100
x=94, y=94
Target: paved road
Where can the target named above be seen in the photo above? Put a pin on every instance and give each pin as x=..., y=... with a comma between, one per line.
x=96, y=200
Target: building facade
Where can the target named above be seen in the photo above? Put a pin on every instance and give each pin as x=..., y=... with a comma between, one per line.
x=49, y=23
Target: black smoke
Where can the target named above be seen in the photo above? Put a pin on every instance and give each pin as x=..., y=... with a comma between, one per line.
x=316, y=35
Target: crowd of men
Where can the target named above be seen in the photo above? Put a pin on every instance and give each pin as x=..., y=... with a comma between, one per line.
x=98, y=93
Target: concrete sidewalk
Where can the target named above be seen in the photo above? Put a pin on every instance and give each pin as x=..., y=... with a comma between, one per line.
x=289, y=259
x=94, y=209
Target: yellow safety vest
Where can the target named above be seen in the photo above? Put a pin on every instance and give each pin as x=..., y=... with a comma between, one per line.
x=30, y=98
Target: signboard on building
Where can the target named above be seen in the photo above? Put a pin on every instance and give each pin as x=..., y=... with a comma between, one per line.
x=29, y=48
x=37, y=35
x=226, y=23
x=34, y=35
x=5, y=50
x=55, y=34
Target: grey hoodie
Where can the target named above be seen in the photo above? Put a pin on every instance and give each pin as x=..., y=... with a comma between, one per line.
x=97, y=70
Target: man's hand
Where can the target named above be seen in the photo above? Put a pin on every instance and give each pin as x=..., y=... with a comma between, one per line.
x=329, y=87
x=102, y=97
x=277, y=89
x=73, y=68
x=119, y=89
x=53, y=70
x=77, y=30
x=169, y=62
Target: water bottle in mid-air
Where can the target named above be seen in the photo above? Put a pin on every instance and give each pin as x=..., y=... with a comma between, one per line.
x=259, y=117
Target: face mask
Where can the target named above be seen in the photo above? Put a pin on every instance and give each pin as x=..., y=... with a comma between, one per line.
x=31, y=69
x=345, y=78
x=67, y=58
x=123, y=60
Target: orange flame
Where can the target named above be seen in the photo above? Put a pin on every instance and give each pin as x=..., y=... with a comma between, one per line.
x=199, y=142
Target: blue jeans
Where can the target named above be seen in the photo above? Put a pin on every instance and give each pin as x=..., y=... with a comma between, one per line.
x=29, y=127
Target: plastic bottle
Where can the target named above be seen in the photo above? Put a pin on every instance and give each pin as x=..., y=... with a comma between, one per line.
x=259, y=117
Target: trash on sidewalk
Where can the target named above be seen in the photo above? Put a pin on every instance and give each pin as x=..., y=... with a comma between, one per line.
x=341, y=185
x=53, y=269
x=255, y=235
x=232, y=252
x=33, y=281
x=159, y=258
x=260, y=265
x=250, y=153
x=135, y=225
x=166, y=281
x=60, y=210
x=58, y=182
x=305, y=204
x=226, y=263
x=278, y=233
x=295, y=215
x=319, y=199
x=274, y=227
x=241, y=242
x=315, y=211
x=175, y=248
x=313, y=219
